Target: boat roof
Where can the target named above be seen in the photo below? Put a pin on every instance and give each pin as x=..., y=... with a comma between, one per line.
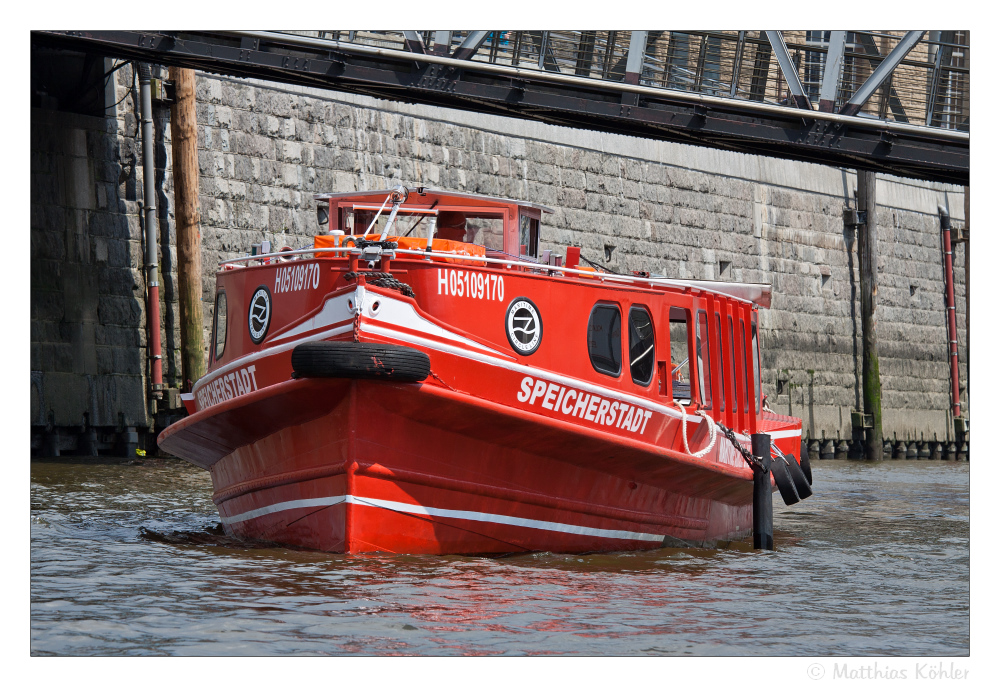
x=425, y=191
x=755, y=293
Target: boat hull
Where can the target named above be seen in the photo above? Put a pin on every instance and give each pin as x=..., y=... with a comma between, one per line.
x=366, y=465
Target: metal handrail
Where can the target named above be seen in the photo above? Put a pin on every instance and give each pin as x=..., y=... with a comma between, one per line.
x=534, y=266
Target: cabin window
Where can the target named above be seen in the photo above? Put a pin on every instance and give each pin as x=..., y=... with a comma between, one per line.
x=743, y=357
x=679, y=354
x=528, y=235
x=718, y=347
x=220, y=324
x=756, y=363
x=640, y=345
x=704, y=362
x=732, y=366
x=604, y=339
x=484, y=230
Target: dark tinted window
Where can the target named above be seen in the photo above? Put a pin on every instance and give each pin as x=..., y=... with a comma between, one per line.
x=220, y=324
x=704, y=363
x=604, y=339
x=640, y=345
x=722, y=375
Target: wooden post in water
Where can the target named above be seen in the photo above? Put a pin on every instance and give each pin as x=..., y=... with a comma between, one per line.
x=184, y=141
x=871, y=383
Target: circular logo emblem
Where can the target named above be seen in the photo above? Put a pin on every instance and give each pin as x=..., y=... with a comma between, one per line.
x=259, y=317
x=524, y=326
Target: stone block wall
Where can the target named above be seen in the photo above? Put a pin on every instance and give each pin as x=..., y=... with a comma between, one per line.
x=672, y=209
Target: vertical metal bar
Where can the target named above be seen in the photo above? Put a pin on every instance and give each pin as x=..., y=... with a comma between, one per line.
x=585, y=53
x=831, y=72
x=152, y=231
x=636, y=53
x=442, y=42
x=699, y=70
x=541, y=49
x=952, y=321
x=737, y=63
x=761, y=68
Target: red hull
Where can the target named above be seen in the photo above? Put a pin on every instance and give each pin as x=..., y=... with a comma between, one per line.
x=509, y=444
x=352, y=478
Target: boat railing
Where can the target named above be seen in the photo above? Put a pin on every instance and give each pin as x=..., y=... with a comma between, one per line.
x=451, y=257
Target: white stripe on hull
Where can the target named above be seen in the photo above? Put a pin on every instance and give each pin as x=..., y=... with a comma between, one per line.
x=417, y=509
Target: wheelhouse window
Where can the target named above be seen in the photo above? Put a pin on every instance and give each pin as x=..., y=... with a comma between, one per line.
x=528, y=234
x=743, y=357
x=756, y=363
x=732, y=366
x=679, y=353
x=220, y=324
x=704, y=362
x=640, y=345
x=722, y=376
x=604, y=339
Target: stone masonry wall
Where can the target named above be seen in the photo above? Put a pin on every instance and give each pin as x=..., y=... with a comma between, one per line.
x=672, y=209
x=668, y=208
x=88, y=357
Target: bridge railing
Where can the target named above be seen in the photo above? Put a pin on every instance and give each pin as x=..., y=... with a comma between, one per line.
x=929, y=87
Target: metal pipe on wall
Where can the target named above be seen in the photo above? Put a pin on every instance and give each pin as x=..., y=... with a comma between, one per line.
x=949, y=287
x=152, y=231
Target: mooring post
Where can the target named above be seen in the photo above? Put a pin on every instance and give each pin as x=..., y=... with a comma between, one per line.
x=871, y=383
x=184, y=142
x=763, y=510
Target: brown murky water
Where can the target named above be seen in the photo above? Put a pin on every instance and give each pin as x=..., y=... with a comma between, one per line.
x=128, y=559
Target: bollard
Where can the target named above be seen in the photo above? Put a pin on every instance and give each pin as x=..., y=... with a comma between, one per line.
x=763, y=509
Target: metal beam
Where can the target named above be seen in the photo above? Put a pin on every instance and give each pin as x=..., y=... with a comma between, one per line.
x=788, y=70
x=470, y=46
x=881, y=73
x=831, y=73
x=567, y=100
x=413, y=42
x=636, y=51
x=442, y=42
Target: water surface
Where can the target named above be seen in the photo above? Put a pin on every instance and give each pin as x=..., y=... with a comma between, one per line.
x=128, y=559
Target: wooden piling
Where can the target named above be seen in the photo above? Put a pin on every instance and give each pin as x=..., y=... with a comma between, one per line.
x=184, y=141
x=871, y=383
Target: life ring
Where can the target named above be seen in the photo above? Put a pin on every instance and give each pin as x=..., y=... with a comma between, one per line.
x=354, y=360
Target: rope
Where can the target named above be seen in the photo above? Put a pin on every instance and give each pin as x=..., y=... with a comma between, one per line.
x=684, y=435
x=383, y=279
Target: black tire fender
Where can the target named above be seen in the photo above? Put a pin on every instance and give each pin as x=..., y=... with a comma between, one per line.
x=779, y=468
x=353, y=360
x=798, y=478
x=806, y=467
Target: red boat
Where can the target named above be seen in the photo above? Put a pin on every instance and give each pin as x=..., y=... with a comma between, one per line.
x=423, y=380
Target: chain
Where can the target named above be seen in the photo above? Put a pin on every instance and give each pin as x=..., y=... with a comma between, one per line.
x=753, y=461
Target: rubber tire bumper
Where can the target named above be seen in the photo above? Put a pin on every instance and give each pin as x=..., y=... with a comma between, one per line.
x=352, y=360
